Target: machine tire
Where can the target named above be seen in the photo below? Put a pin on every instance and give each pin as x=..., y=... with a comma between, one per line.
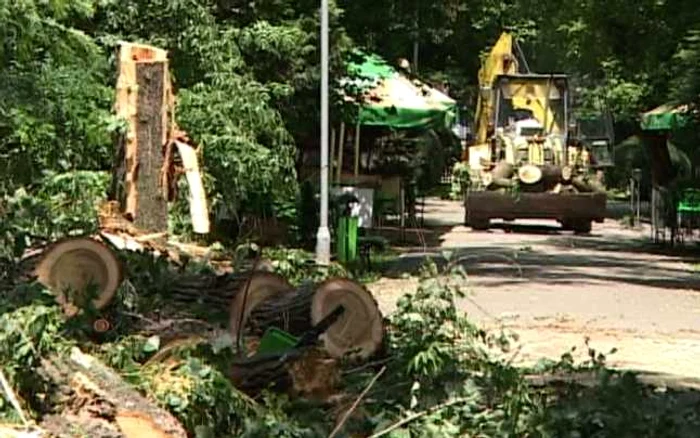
x=479, y=224
x=583, y=226
x=567, y=225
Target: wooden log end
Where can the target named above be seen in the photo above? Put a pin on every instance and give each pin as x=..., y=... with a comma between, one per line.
x=359, y=332
x=74, y=265
x=529, y=174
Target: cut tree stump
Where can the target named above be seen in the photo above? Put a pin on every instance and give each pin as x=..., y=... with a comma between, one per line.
x=152, y=206
x=97, y=403
x=145, y=101
x=359, y=332
x=75, y=265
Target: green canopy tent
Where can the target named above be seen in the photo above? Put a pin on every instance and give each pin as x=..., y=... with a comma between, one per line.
x=388, y=98
x=667, y=161
x=665, y=118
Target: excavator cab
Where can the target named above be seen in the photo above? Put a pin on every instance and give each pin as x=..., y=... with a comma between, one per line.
x=530, y=118
x=595, y=132
x=540, y=98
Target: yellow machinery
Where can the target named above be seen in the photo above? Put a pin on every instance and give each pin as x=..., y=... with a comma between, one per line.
x=525, y=161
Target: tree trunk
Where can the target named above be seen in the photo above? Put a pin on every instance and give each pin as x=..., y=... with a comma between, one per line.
x=290, y=312
x=144, y=100
x=96, y=402
x=152, y=206
x=260, y=287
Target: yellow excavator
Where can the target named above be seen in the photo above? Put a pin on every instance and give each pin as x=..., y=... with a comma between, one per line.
x=527, y=160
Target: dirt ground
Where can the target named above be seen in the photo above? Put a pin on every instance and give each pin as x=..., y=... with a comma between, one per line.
x=556, y=289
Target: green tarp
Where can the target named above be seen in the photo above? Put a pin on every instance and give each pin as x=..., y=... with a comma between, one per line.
x=664, y=118
x=391, y=99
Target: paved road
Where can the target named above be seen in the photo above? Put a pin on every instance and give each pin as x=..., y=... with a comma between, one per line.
x=556, y=289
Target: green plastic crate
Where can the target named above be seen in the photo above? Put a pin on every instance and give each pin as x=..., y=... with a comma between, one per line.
x=690, y=201
x=275, y=340
x=346, y=239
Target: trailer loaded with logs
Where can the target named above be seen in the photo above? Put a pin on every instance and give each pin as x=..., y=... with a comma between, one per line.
x=527, y=160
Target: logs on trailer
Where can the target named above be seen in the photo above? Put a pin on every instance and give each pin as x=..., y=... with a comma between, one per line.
x=499, y=177
x=503, y=170
x=586, y=185
x=96, y=402
x=529, y=174
x=551, y=176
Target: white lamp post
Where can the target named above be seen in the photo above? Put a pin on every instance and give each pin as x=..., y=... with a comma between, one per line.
x=323, y=237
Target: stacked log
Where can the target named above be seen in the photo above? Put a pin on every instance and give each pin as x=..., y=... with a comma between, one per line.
x=358, y=332
x=499, y=177
x=586, y=185
x=269, y=301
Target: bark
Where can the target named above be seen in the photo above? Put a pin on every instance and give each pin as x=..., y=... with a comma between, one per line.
x=152, y=207
x=96, y=402
x=291, y=312
x=586, y=185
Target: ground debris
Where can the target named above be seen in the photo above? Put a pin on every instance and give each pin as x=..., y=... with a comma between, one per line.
x=96, y=402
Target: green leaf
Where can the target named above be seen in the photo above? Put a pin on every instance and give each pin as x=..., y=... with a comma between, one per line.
x=222, y=342
x=152, y=344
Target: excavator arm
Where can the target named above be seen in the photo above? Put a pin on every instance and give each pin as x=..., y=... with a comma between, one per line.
x=499, y=61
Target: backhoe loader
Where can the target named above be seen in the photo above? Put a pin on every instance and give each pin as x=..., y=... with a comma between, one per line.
x=527, y=160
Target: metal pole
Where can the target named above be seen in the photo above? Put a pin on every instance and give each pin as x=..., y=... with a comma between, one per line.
x=323, y=237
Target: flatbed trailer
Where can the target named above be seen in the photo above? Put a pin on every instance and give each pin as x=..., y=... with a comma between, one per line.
x=575, y=211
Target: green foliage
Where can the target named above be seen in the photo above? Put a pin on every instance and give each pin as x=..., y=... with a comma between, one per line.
x=28, y=333
x=298, y=265
x=54, y=99
x=200, y=396
x=442, y=361
x=247, y=152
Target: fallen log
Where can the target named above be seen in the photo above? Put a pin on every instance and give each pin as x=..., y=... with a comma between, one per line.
x=359, y=332
x=290, y=312
x=260, y=287
x=94, y=401
x=70, y=267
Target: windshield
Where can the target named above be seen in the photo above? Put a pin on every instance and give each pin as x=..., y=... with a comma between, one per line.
x=540, y=103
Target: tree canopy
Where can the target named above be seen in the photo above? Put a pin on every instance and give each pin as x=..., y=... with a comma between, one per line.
x=247, y=73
